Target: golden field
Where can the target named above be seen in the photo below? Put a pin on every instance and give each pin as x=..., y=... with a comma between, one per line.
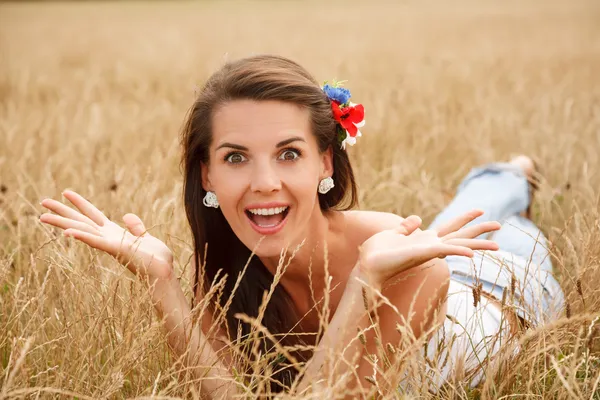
x=93, y=96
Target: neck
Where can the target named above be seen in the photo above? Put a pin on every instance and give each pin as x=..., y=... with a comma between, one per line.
x=325, y=232
x=309, y=247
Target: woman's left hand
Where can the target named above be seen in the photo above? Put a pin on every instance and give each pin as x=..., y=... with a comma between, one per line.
x=393, y=251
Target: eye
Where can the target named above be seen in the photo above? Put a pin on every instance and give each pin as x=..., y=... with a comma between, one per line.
x=234, y=158
x=290, y=154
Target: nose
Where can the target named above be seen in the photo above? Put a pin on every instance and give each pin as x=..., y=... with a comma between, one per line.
x=265, y=178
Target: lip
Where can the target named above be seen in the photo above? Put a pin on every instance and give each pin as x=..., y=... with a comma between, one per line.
x=271, y=230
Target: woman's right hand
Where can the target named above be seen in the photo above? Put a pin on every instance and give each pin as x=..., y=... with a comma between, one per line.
x=140, y=252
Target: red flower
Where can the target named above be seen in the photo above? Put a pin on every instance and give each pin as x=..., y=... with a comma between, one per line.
x=348, y=117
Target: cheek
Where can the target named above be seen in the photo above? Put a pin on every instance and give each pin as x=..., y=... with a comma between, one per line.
x=303, y=187
x=303, y=179
x=230, y=190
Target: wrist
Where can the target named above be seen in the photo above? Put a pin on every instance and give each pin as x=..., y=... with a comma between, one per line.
x=368, y=288
x=359, y=274
x=162, y=286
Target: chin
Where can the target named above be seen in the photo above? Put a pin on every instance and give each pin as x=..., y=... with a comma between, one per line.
x=268, y=247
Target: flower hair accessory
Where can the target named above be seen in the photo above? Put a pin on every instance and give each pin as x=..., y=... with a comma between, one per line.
x=349, y=116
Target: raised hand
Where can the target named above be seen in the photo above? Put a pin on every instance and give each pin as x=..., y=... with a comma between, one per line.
x=393, y=251
x=140, y=252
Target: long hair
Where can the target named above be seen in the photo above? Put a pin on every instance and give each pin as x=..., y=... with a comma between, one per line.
x=262, y=77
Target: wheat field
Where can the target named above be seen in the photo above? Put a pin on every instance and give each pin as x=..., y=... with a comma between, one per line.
x=93, y=96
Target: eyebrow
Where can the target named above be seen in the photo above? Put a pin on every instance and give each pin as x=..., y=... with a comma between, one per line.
x=278, y=145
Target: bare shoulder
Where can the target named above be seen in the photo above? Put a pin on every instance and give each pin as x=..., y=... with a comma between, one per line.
x=371, y=222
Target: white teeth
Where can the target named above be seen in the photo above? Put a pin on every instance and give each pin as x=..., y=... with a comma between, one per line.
x=267, y=211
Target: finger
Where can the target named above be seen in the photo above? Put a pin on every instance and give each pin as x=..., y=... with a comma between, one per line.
x=66, y=223
x=97, y=242
x=441, y=250
x=85, y=207
x=409, y=225
x=474, y=244
x=134, y=224
x=474, y=231
x=445, y=250
x=66, y=211
x=458, y=222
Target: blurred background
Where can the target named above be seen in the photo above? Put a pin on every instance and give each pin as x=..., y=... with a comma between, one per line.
x=93, y=95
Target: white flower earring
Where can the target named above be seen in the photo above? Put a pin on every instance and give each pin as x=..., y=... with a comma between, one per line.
x=210, y=200
x=326, y=185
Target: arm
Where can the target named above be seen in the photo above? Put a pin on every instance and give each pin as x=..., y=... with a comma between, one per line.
x=340, y=336
x=416, y=305
x=152, y=261
x=407, y=253
x=188, y=341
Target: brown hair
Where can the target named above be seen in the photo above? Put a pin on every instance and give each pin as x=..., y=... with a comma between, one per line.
x=262, y=77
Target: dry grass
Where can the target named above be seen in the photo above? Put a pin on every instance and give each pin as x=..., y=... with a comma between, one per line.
x=92, y=97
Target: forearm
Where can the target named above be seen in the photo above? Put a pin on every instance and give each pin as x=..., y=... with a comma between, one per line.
x=188, y=341
x=340, y=337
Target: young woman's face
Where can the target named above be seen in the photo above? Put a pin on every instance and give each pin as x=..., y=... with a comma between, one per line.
x=265, y=168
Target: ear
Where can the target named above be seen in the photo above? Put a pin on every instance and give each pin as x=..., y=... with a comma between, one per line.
x=327, y=163
x=206, y=184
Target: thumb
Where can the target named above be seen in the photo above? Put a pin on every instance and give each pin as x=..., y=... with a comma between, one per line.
x=409, y=225
x=134, y=224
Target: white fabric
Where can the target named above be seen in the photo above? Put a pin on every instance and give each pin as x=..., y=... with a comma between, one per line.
x=472, y=336
x=469, y=338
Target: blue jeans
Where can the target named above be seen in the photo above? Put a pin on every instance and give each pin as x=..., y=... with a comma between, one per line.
x=523, y=263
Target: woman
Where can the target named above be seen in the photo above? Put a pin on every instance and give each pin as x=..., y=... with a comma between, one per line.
x=268, y=187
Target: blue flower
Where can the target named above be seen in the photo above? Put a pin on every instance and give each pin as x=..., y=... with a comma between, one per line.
x=341, y=95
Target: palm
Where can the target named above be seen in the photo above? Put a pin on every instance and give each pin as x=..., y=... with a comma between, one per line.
x=393, y=251
x=140, y=252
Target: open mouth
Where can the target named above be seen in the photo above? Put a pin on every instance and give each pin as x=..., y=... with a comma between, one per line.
x=268, y=218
